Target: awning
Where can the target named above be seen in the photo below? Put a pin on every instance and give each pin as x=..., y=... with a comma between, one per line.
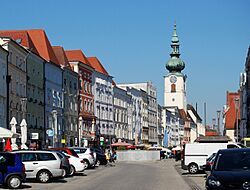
x=6, y=133
x=121, y=144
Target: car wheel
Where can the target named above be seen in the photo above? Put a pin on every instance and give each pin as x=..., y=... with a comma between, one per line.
x=14, y=182
x=87, y=163
x=193, y=168
x=64, y=172
x=43, y=176
x=72, y=170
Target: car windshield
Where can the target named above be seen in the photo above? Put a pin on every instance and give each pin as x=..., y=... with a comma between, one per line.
x=231, y=161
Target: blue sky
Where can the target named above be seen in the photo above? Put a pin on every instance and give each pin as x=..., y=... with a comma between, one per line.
x=132, y=39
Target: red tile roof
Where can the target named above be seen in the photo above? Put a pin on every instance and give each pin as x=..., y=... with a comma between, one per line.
x=61, y=56
x=96, y=64
x=36, y=40
x=77, y=55
x=231, y=112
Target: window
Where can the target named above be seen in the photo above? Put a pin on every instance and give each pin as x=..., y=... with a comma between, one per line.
x=45, y=156
x=27, y=157
x=17, y=61
x=10, y=57
x=173, y=88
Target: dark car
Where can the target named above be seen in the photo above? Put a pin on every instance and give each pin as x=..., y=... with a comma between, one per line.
x=231, y=170
x=100, y=156
x=12, y=170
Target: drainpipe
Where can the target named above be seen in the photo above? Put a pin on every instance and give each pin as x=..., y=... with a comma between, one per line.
x=8, y=79
x=44, y=105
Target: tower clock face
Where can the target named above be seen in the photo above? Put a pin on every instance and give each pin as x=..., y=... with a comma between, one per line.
x=173, y=79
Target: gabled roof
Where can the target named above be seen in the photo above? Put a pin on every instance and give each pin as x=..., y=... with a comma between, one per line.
x=36, y=40
x=190, y=107
x=77, y=55
x=61, y=56
x=96, y=64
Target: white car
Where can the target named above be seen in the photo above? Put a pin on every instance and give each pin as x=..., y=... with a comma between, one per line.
x=41, y=165
x=76, y=164
x=86, y=154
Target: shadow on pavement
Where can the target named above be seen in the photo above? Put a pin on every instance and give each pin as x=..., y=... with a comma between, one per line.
x=23, y=186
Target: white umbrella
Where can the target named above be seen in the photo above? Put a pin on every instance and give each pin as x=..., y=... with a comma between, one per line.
x=13, y=123
x=6, y=133
x=23, y=134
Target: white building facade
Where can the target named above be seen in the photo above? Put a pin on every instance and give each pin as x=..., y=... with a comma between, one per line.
x=121, y=102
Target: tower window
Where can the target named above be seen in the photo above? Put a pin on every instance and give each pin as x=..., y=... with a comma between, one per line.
x=173, y=88
x=173, y=99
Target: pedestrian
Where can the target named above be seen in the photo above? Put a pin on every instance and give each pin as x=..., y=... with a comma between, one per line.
x=108, y=155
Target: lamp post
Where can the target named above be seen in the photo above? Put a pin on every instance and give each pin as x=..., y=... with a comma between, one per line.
x=218, y=117
x=236, y=104
x=80, y=131
x=54, y=116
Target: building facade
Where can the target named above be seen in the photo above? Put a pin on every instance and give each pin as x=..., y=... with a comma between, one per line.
x=135, y=114
x=18, y=79
x=103, y=105
x=160, y=128
x=3, y=86
x=70, y=87
x=244, y=125
x=120, y=102
x=152, y=106
x=81, y=65
x=35, y=96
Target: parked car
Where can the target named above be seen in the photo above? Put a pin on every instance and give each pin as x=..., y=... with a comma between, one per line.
x=86, y=154
x=196, y=154
x=12, y=170
x=41, y=165
x=230, y=170
x=67, y=170
x=100, y=156
x=76, y=164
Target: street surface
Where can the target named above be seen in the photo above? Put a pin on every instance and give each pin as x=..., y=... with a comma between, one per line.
x=158, y=175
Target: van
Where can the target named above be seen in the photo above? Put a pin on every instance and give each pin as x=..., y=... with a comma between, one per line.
x=196, y=154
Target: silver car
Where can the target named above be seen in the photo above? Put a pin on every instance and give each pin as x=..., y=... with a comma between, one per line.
x=41, y=165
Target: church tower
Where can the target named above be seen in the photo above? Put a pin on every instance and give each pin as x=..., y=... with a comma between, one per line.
x=175, y=81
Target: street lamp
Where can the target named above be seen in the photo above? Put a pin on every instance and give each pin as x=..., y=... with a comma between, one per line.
x=54, y=116
x=218, y=117
x=236, y=104
x=80, y=131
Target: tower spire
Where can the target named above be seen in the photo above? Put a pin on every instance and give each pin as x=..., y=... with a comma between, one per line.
x=175, y=64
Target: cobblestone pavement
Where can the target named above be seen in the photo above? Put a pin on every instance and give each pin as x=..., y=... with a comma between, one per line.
x=195, y=181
